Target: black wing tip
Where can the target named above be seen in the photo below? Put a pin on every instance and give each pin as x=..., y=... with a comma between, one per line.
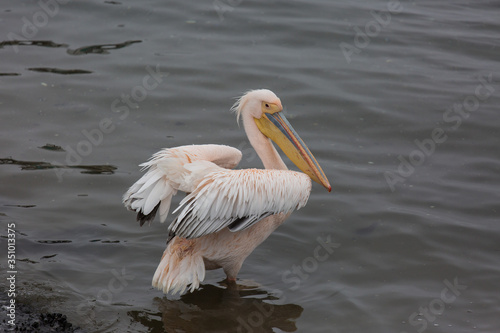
x=245, y=222
x=171, y=235
x=141, y=218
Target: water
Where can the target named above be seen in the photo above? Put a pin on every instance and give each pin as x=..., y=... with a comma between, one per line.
x=403, y=120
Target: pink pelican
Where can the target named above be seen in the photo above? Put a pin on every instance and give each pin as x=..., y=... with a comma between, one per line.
x=226, y=213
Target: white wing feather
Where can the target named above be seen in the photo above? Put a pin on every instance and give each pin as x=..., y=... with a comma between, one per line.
x=217, y=197
x=174, y=169
x=239, y=198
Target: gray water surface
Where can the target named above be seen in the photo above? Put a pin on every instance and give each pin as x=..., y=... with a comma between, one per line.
x=398, y=101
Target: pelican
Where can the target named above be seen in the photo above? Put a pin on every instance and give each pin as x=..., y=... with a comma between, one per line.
x=226, y=213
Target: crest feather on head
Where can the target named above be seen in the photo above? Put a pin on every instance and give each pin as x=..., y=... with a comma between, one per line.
x=258, y=94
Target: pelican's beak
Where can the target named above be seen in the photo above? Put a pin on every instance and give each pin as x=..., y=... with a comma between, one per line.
x=275, y=126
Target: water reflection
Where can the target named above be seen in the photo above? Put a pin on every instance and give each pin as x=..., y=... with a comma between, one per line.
x=97, y=49
x=101, y=49
x=87, y=169
x=59, y=70
x=215, y=309
x=43, y=43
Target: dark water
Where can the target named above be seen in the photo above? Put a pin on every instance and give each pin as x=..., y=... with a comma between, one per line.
x=398, y=102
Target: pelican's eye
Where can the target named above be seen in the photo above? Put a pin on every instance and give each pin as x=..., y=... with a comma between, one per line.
x=267, y=107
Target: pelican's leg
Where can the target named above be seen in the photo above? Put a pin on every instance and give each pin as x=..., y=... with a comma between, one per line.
x=232, y=272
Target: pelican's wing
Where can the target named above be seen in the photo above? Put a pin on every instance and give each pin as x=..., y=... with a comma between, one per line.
x=173, y=169
x=239, y=198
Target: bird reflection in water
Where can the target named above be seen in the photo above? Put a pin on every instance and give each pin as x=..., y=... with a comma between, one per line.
x=241, y=309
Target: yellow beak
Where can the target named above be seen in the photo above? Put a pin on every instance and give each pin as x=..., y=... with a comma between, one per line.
x=277, y=128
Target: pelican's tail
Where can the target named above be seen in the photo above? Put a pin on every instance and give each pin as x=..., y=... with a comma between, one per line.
x=180, y=267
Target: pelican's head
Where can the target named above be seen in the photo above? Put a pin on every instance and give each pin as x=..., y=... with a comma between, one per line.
x=266, y=110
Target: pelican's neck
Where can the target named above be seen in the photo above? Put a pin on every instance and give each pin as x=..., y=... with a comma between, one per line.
x=262, y=145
